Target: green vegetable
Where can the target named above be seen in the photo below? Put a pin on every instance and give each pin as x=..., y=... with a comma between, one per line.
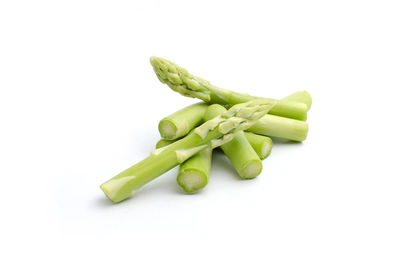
x=300, y=97
x=239, y=151
x=262, y=145
x=181, y=122
x=243, y=157
x=210, y=134
x=194, y=173
x=181, y=81
x=271, y=125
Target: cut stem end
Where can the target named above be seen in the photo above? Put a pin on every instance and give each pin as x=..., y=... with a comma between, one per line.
x=251, y=170
x=191, y=181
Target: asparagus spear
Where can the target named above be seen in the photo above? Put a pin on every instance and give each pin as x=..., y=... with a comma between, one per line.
x=285, y=128
x=300, y=97
x=271, y=125
x=260, y=143
x=212, y=133
x=194, y=173
x=181, y=122
x=181, y=81
x=239, y=151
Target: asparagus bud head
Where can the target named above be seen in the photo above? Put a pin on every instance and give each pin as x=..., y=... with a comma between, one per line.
x=180, y=80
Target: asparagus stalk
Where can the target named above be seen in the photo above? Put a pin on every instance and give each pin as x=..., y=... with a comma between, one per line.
x=212, y=133
x=300, y=97
x=181, y=81
x=194, y=173
x=163, y=142
x=271, y=125
x=239, y=151
x=262, y=145
x=181, y=122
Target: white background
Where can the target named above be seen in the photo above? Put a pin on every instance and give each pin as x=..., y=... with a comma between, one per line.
x=79, y=102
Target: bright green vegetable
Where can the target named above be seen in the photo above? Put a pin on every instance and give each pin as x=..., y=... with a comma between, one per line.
x=181, y=122
x=300, y=97
x=260, y=143
x=194, y=173
x=239, y=151
x=271, y=125
x=243, y=157
x=212, y=133
x=181, y=81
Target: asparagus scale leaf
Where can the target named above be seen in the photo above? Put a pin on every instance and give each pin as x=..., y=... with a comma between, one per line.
x=239, y=151
x=210, y=134
x=181, y=81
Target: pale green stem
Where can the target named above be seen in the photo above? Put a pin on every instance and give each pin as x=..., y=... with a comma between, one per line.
x=261, y=144
x=288, y=109
x=194, y=173
x=243, y=157
x=271, y=125
x=275, y=126
x=126, y=183
x=181, y=122
x=239, y=151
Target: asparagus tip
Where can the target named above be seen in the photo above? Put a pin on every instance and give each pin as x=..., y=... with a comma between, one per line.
x=153, y=59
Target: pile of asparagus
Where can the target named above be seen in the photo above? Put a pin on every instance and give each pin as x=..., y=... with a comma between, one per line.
x=237, y=123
